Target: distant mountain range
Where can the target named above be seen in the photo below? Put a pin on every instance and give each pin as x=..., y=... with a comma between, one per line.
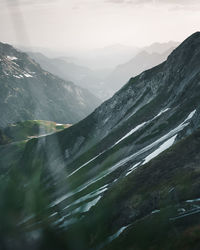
x=141, y=62
x=161, y=48
x=108, y=57
x=28, y=92
x=104, y=82
x=61, y=67
x=80, y=75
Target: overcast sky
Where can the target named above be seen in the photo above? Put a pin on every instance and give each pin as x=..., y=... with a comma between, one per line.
x=83, y=24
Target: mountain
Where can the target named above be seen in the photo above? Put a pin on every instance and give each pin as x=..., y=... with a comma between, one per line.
x=125, y=177
x=107, y=57
x=28, y=92
x=161, y=48
x=105, y=82
x=142, y=61
x=82, y=76
x=61, y=67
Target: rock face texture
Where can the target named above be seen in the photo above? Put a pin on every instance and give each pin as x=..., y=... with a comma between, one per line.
x=28, y=92
x=127, y=176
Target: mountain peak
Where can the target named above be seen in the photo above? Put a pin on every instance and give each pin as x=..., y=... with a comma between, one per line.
x=187, y=53
x=194, y=35
x=6, y=48
x=192, y=40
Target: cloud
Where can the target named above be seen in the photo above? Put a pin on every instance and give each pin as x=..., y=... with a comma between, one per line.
x=15, y=3
x=159, y=2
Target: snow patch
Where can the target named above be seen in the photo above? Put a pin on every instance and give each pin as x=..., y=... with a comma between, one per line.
x=155, y=211
x=12, y=58
x=171, y=189
x=27, y=75
x=18, y=76
x=131, y=132
x=85, y=164
x=195, y=200
x=68, y=222
x=192, y=212
x=26, y=219
x=161, y=112
x=86, y=207
x=88, y=196
x=141, y=125
x=181, y=210
x=54, y=214
x=190, y=116
x=116, y=235
x=132, y=168
x=162, y=148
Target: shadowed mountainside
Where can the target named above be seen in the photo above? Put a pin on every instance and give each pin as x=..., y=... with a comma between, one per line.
x=133, y=164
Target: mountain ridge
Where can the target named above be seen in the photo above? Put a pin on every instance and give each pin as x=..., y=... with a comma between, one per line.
x=110, y=172
x=28, y=92
x=117, y=100
x=141, y=62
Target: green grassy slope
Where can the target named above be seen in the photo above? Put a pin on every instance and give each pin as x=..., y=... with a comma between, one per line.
x=164, y=184
x=32, y=128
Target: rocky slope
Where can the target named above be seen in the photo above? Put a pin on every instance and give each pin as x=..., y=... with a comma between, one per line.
x=133, y=164
x=28, y=92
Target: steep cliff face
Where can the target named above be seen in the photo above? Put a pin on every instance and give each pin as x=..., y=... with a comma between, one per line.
x=123, y=165
x=28, y=92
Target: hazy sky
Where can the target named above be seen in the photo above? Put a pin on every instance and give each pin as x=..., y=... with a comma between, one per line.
x=83, y=24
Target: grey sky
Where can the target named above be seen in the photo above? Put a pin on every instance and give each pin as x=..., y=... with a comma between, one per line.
x=174, y=2
x=84, y=24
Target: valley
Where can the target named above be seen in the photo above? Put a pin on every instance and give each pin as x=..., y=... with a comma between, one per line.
x=126, y=175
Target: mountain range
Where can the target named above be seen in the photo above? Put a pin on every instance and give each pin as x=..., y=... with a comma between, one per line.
x=141, y=62
x=28, y=92
x=80, y=75
x=125, y=177
x=104, y=82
